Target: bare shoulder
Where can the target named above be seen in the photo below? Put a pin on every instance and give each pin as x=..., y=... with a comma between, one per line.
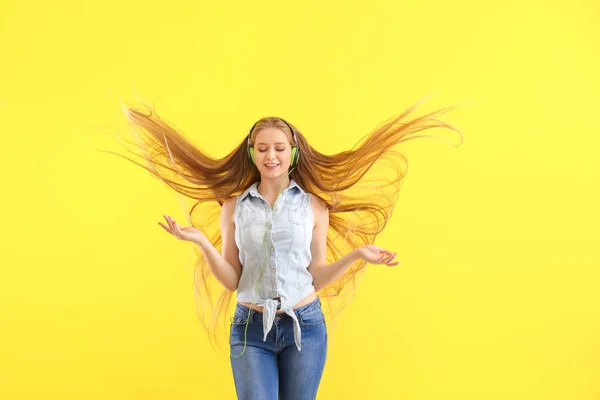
x=319, y=208
x=229, y=206
x=317, y=203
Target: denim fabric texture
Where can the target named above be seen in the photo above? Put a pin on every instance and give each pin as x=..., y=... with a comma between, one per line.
x=284, y=252
x=275, y=369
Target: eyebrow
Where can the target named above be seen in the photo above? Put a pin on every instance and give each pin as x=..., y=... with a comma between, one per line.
x=256, y=144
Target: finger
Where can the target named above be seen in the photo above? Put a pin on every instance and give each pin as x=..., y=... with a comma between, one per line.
x=390, y=257
x=392, y=262
x=172, y=226
x=178, y=230
x=165, y=227
x=387, y=259
x=169, y=223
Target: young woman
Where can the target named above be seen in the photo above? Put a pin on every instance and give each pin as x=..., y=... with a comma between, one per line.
x=284, y=210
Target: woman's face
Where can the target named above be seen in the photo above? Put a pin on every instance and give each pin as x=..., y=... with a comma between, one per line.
x=272, y=147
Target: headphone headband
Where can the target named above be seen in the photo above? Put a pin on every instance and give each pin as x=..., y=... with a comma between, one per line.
x=295, y=150
x=284, y=121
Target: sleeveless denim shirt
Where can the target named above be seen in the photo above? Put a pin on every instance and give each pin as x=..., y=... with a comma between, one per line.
x=286, y=250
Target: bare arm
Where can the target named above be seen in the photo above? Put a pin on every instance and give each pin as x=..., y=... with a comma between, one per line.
x=225, y=267
x=324, y=274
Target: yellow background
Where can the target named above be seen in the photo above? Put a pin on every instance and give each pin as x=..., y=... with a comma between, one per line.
x=497, y=293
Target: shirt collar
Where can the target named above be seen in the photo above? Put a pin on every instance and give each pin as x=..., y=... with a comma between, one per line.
x=254, y=192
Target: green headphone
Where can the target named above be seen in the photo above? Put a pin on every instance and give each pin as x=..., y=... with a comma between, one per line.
x=295, y=150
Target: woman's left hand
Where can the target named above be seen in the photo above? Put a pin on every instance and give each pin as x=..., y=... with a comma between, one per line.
x=376, y=255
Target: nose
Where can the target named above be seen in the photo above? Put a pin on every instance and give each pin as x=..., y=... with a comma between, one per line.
x=270, y=155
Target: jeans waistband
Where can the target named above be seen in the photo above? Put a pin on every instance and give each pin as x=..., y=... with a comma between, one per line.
x=305, y=308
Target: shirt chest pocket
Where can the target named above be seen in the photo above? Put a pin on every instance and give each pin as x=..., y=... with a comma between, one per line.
x=296, y=215
x=246, y=216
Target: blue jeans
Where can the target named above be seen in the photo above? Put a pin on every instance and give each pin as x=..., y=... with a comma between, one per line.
x=275, y=369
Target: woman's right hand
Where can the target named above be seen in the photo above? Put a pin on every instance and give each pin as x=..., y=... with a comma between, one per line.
x=188, y=233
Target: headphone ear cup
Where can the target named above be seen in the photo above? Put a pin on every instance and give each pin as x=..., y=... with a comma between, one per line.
x=251, y=154
x=294, y=156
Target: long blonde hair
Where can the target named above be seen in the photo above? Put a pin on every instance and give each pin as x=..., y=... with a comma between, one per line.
x=360, y=198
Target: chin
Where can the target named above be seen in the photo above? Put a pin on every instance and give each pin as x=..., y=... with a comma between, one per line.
x=275, y=171
x=272, y=174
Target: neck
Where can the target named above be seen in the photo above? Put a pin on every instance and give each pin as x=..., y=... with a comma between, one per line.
x=272, y=187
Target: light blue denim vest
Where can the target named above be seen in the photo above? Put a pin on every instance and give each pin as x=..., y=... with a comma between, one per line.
x=287, y=251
